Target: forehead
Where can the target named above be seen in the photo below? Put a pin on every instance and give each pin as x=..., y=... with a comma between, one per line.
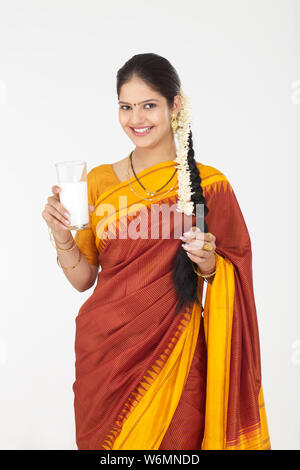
x=137, y=90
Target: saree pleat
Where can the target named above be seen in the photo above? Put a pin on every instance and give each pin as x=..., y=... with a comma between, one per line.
x=145, y=377
x=147, y=423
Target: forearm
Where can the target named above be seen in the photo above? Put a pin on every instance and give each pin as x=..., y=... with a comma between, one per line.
x=81, y=277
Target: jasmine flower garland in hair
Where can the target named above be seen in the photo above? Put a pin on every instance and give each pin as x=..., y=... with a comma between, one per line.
x=184, y=192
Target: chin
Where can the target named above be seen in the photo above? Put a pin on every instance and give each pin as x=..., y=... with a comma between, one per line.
x=143, y=142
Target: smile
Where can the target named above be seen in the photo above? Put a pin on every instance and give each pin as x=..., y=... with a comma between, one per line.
x=141, y=131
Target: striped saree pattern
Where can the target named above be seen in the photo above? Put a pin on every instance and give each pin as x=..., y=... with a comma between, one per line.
x=145, y=377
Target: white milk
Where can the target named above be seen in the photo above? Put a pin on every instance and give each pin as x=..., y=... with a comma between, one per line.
x=74, y=197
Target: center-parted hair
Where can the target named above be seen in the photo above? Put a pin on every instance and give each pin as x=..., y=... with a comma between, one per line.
x=158, y=73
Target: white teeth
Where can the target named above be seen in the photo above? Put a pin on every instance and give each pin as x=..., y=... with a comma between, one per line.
x=142, y=130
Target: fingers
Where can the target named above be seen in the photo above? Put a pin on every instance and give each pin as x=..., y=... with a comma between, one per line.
x=56, y=190
x=203, y=254
x=196, y=259
x=54, y=213
x=53, y=222
x=203, y=250
x=192, y=233
x=54, y=201
x=195, y=233
x=57, y=214
x=198, y=245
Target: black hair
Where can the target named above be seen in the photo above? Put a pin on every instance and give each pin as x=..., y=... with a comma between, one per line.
x=159, y=74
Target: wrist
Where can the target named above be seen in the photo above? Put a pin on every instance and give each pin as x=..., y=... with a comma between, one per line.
x=61, y=237
x=207, y=268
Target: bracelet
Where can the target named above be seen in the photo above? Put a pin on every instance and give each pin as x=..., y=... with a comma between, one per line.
x=204, y=275
x=69, y=249
x=69, y=267
x=61, y=249
x=51, y=234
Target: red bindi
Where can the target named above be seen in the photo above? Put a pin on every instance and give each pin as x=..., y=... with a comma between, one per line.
x=134, y=104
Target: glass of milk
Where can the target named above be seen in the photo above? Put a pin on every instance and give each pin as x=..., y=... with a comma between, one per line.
x=72, y=179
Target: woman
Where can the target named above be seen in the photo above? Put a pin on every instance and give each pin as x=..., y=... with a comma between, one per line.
x=154, y=370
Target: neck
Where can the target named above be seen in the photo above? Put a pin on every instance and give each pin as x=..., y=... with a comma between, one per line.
x=144, y=157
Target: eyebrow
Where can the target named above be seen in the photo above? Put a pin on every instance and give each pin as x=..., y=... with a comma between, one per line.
x=125, y=102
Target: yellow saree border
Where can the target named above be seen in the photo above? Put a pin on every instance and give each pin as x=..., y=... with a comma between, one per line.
x=254, y=437
x=145, y=417
x=217, y=315
x=117, y=206
x=209, y=176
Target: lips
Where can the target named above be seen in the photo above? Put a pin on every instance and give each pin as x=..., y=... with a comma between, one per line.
x=141, y=133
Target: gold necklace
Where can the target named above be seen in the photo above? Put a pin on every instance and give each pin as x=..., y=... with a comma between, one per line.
x=150, y=193
x=147, y=198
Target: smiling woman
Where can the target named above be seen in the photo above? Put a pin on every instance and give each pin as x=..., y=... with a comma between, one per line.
x=142, y=107
x=154, y=369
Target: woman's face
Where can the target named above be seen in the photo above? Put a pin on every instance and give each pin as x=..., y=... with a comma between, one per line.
x=140, y=107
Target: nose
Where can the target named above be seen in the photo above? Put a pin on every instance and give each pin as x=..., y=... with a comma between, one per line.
x=137, y=117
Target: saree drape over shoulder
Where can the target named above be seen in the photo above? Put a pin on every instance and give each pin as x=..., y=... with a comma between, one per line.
x=145, y=377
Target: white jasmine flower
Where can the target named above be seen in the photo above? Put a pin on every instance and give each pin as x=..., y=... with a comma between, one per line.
x=184, y=203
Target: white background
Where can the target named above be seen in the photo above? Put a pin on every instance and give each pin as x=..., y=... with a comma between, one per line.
x=239, y=61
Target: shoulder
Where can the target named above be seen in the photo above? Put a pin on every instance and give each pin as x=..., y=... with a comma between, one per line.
x=98, y=179
x=207, y=171
x=100, y=171
x=101, y=175
x=212, y=177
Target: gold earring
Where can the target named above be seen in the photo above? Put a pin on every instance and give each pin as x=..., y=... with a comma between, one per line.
x=174, y=123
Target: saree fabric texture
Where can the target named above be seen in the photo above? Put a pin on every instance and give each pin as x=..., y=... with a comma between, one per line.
x=146, y=378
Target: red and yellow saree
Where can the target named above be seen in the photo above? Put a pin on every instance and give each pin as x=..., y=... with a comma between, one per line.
x=149, y=379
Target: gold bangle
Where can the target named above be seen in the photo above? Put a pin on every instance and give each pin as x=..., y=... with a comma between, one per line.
x=69, y=267
x=205, y=275
x=51, y=234
x=69, y=249
x=62, y=249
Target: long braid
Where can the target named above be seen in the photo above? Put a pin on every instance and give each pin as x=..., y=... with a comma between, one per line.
x=184, y=277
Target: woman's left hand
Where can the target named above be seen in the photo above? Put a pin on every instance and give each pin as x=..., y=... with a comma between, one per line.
x=200, y=249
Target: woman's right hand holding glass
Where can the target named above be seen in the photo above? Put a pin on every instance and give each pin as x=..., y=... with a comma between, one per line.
x=68, y=256
x=55, y=215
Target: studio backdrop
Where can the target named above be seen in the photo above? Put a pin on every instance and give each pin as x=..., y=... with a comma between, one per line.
x=239, y=62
